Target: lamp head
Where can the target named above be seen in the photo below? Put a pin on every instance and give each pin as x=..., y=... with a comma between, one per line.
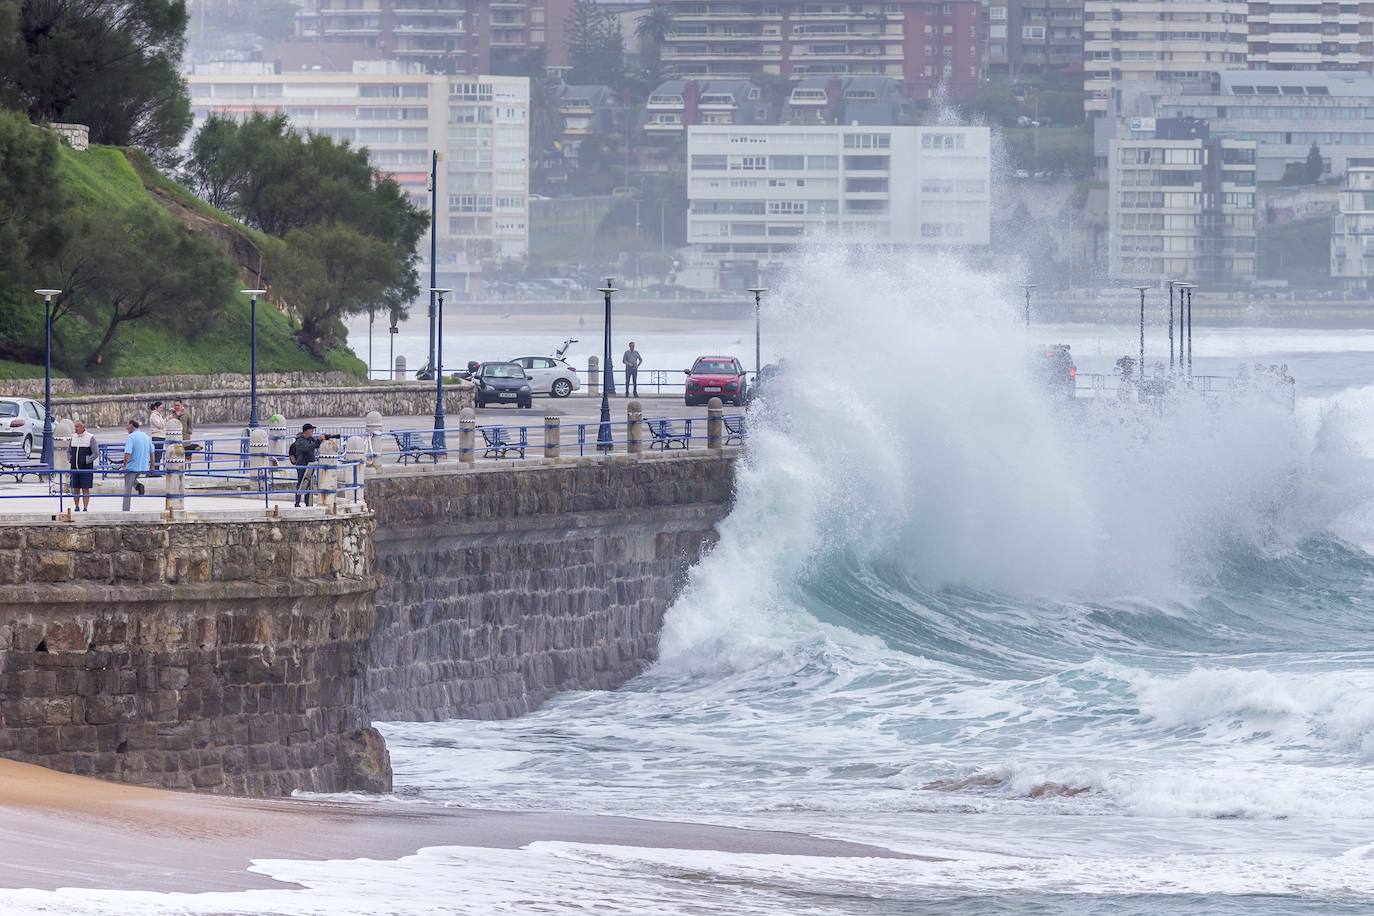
x=758, y=290
x=439, y=291
x=48, y=293
x=255, y=293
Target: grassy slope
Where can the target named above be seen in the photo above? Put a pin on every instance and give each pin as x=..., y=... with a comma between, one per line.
x=105, y=178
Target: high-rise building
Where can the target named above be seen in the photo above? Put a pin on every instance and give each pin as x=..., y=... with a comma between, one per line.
x=478, y=124
x=758, y=195
x=1312, y=35
x=446, y=36
x=1126, y=41
x=1182, y=206
x=1034, y=36
x=923, y=43
x=1352, y=234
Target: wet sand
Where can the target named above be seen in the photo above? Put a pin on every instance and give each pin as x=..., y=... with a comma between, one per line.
x=58, y=830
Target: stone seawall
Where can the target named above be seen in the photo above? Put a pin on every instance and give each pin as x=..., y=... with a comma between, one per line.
x=137, y=384
x=504, y=586
x=231, y=406
x=222, y=656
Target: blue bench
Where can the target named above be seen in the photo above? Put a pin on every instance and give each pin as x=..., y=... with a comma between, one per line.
x=499, y=443
x=735, y=430
x=663, y=435
x=414, y=446
x=15, y=462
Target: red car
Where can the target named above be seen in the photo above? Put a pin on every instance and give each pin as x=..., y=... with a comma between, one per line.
x=716, y=377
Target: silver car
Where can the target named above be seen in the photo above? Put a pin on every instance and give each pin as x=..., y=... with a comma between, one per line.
x=549, y=375
x=21, y=419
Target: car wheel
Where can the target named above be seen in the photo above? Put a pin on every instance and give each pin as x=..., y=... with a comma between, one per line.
x=28, y=446
x=561, y=388
x=527, y=405
x=689, y=402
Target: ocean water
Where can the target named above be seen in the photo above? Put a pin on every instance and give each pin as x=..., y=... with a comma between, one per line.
x=1091, y=662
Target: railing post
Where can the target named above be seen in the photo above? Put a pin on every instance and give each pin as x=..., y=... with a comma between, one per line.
x=174, y=470
x=715, y=425
x=258, y=445
x=467, y=436
x=328, y=482
x=634, y=428
x=278, y=440
x=356, y=450
x=372, y=455
x=398, y=371
x=62, y=432
x=593, y=377
x=553, y=432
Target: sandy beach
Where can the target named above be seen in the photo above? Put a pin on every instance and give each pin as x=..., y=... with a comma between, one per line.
x=70, y=831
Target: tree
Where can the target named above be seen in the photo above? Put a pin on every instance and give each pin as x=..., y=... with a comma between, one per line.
x=653, y=30
x=332, y=271
x=596, y=46
x=546, y=115
x=110, y=63
x=1315, y=165
x=31, y=197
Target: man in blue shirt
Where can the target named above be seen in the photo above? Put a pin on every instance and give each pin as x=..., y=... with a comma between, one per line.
x=138, y=454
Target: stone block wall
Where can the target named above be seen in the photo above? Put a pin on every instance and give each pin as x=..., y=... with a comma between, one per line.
x=504, y=586
x=138, y=384
x=221, y=656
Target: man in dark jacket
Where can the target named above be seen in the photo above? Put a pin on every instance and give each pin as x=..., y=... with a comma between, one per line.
x=304, y=452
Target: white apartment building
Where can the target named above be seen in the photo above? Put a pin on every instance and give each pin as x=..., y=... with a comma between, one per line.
x=479, y=125
x=1352, y=235
x=1182, y=208
x=758, y=195
x=1125, y=41
x=1311, y=35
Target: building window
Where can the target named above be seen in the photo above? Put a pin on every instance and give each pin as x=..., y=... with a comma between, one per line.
x=866, y=141
x=942, y=141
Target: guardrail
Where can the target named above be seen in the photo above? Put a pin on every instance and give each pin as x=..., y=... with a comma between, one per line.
x=651, y=382
x=1155, y=386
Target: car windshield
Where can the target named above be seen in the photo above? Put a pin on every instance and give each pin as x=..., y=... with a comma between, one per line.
x=713, y=367
x=9, y=409
x=503, y=370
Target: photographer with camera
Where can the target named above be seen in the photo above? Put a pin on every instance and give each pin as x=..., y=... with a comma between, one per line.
x=304, y=452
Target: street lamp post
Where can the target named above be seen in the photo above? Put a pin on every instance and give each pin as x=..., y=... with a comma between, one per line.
x=1185, y=320
x=47, y=295
x=1141, y=367
x=1026, y=288
x=603, y=433
x=433, y=245
x=758, y=348
x=253, y=295
x=438, y=441
x=1172, y=283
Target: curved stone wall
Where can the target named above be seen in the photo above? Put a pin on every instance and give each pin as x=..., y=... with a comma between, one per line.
x=222, y=656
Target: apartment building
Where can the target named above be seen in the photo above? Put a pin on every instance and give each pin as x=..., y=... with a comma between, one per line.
x=1182, y=205
x=758, y=196
x=676, y=105
x=1186, y=41
x=1352, y=235
x=479, y=125
x=1034, y=36
x=1311, y=35
x=445, y=36
x=849, y=100
x=923, y=43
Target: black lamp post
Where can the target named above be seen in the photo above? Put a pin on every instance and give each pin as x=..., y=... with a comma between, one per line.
x=433, y=247
x=758, y=348
x=603, y=433
x=1172, y=283
x=1141, y=367
x=1186, y=295
x=47, y=295
x=253, y=295
x=1026, y=288
x=438, y=442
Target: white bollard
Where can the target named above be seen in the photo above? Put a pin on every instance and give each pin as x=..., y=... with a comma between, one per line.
x=553, y=436
x=357, y=451
x=467, y=436
x=174, y=470
x=715, y=425
x=372, y=450
x=327, y=473
x=634, y=429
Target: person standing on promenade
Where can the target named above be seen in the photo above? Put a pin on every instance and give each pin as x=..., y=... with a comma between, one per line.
x=157, y=429
x=138, y=454
x=81, y=456
x=181, y=413
x=632, y=359
x=303, y=452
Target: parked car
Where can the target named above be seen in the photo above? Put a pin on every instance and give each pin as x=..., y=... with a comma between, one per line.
x=549, y=375
x=1057, y=373
x=764, y=379
x=716, y=377
x=503, y=383
x=21, y=419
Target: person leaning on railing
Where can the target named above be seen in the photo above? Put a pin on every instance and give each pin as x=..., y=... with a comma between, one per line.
x=181, y=413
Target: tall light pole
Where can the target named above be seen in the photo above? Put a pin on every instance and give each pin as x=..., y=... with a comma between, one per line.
x=1141, y=367
x=1186, y=318
x=603, y=433
x=47, y=295
x=758, y=350
x=438, y=442
x=433, y=245
x=1172, y=284
x=253, y=295
x=1027, y=288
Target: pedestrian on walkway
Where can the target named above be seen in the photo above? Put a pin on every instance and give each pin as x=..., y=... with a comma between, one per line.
x=181, y=413
x=632, y=359
x=138, y=455
x=81, y=456
x=303, y=452
x=157, y=430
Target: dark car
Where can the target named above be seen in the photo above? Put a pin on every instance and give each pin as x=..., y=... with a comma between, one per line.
x=1056, y=372
x=502, y=383
x=716, y=377
x=765, y=379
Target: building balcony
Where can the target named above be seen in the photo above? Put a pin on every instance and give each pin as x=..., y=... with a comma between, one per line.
x=446, y=31
x=361, y=31
x=330, y=12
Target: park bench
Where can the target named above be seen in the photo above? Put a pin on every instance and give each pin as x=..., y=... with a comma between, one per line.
x=734, y=430
x=499, y=443
x=15, y=461
x=664, y=436
x=414, y=446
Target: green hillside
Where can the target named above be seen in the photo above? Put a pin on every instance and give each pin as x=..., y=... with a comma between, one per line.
x=117, y=181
